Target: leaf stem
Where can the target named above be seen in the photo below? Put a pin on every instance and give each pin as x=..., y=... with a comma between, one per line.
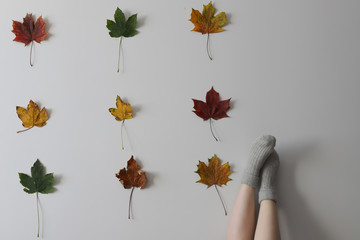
x=132, y=190
x=221, y=200
x=212, y=130
x=119, y=54
x=207, y=46
x=31, y=48
x=24, y=130
x=122, y=140
x=38, y=216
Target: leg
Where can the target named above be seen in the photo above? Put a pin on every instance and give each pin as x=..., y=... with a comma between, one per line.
x=242, y=219
x=268, y=227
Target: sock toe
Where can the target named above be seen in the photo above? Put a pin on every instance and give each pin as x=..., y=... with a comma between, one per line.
x=266, y=141
x=259, y=152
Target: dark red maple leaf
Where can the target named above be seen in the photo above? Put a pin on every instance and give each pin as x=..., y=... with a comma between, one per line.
x=213, y=108
x=28, y=31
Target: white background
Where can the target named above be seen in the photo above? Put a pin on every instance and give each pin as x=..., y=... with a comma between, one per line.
x=291, y=69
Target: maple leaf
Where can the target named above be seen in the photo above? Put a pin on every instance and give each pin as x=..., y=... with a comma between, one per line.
x=122, y=112
x=38, y=182
x=28, y=31
x=32, y=116
x=213, y=108
x=207, y=22
x=122, y=28
x=131, y=178
x=214, y=174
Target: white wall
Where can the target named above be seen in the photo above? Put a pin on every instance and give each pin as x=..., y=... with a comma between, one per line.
x=291, y=68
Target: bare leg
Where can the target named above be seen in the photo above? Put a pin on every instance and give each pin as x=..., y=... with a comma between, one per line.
x=242, y=219
x=267, y=226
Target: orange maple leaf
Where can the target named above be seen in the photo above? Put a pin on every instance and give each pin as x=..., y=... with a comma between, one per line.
x=207, y=22
x=214, y=174
x=131, y=178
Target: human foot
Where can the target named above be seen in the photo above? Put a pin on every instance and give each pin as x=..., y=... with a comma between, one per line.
x=259, y=152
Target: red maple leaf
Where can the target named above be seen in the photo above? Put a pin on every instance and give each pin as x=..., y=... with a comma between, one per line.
x=213, y=108
x=28, y=31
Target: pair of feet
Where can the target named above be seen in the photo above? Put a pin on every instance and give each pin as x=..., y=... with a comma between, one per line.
x=262, y=166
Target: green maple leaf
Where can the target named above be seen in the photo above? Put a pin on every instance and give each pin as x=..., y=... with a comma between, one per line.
x=121, y=27
x=39, y=182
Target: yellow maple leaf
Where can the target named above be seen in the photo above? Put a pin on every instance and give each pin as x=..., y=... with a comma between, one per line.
x=123, y=110
x=32, y=116
x=214, y=174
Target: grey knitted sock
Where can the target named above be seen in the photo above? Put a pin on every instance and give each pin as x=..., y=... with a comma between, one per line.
x=259, y=152
x=268, y=176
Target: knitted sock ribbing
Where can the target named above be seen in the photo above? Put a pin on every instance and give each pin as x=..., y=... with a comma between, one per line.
x=268, y=176
x=259, y=152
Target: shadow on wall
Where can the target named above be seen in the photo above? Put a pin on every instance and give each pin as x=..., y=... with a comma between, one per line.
x=297, y=221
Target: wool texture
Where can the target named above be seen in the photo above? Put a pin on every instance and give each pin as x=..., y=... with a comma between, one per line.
x=268, y=189
x=259, y=152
